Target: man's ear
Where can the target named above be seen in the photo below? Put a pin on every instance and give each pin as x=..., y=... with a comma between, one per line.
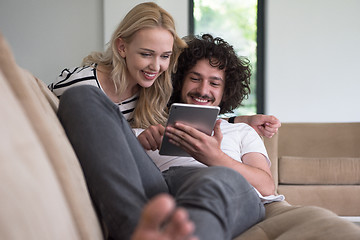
x=121, y=47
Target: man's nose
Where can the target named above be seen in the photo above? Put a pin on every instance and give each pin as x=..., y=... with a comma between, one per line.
x=203, y=88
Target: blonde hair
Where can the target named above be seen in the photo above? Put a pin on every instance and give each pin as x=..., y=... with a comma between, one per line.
x=151, y=106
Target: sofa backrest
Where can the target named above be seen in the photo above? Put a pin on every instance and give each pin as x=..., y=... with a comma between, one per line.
x=271, y=145
x=320, y=139
x=43, y=194
x=319, y=164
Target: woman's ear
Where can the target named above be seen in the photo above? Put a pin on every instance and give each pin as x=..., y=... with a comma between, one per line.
x=121, y=47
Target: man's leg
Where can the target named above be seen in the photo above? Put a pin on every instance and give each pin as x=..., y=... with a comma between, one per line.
x=220, y=202
x=119, y=174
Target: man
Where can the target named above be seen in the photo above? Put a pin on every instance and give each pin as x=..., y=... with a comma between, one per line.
x=210, y=73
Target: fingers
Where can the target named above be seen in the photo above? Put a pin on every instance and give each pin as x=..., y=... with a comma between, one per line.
x=180, y=139
x=217, y=130
x=267, y=130
x=274, y=122
x=151, y=138
x=266, y=125
x=184, y=136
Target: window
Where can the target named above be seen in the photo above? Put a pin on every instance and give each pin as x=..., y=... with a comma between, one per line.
x=240, y=24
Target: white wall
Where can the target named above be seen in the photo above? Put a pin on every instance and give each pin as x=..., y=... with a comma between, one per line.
x=115, y=11
x=49, y=35
x=313, y=60
x=312, y=48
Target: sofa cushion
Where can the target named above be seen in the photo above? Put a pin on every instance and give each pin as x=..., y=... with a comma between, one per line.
x=49, y=96
x=319, y=139
x=284, y=221
x=307, y=170
x=52, y=137
x=342, y=199
x=32, y=202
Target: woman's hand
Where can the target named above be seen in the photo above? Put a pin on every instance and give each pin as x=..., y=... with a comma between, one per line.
x=151, y=137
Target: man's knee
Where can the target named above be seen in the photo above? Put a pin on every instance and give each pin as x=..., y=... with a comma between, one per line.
x=227, y=177
x=217, y=181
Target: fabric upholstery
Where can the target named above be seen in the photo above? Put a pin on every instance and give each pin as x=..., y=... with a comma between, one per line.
x=341, y=199
x=284, y=221
x=53, y=139
x=319, y=165
x=272, y=149
x=319, y=139
x=330, y=170
x=32, y=202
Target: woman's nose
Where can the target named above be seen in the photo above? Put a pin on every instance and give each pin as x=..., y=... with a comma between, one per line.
x=155, y=64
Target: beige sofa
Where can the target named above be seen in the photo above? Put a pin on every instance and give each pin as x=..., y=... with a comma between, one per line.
x=319, y=164
x=42, y=190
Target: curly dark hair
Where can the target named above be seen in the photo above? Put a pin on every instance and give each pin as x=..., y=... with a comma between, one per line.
x=221, y=55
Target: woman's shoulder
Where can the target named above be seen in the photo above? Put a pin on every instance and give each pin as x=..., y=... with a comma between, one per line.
x=84, y=75
x=77, y=73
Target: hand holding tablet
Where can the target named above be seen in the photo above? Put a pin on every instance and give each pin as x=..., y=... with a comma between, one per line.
x=202, y=118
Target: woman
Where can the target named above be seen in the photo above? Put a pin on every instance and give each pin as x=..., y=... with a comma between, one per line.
x=135, y=70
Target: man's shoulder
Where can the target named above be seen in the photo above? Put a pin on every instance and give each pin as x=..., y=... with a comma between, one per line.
x=237, y=130
x=234, y=126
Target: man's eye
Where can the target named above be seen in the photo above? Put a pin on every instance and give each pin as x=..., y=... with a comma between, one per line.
x=194, y=79
x=145, y=54
x=215, y=84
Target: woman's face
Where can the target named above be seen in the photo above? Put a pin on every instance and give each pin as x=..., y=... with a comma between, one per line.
x=147, y=56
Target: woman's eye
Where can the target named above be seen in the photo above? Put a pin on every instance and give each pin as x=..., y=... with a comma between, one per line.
x=215, y=84
x=165, y=56
x=145, y=54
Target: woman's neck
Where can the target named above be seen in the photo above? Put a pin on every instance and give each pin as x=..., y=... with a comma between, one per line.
x=107, y=84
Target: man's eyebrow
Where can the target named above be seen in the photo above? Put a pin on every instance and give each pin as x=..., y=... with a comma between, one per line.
x=216, y=78
x=211, y=77
x=150, y=50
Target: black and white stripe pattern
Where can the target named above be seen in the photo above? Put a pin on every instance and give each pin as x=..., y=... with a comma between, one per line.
x=87, y=76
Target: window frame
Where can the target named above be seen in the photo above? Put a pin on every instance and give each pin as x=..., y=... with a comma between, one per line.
x=260, y=52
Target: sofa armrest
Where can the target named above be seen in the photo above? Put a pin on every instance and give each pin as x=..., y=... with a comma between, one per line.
x=271, y=145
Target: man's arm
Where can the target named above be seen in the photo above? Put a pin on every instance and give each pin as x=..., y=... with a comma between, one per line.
x=207, y=150
x=264, y=125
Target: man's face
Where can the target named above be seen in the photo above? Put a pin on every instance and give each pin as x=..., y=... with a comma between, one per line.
x=203, y=85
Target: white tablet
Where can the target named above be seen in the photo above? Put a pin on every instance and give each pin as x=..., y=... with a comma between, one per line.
x=200, y=117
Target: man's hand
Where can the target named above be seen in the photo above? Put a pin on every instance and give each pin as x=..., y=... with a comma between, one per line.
x=202, y=147
x=264, y=125
x=151, y=137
